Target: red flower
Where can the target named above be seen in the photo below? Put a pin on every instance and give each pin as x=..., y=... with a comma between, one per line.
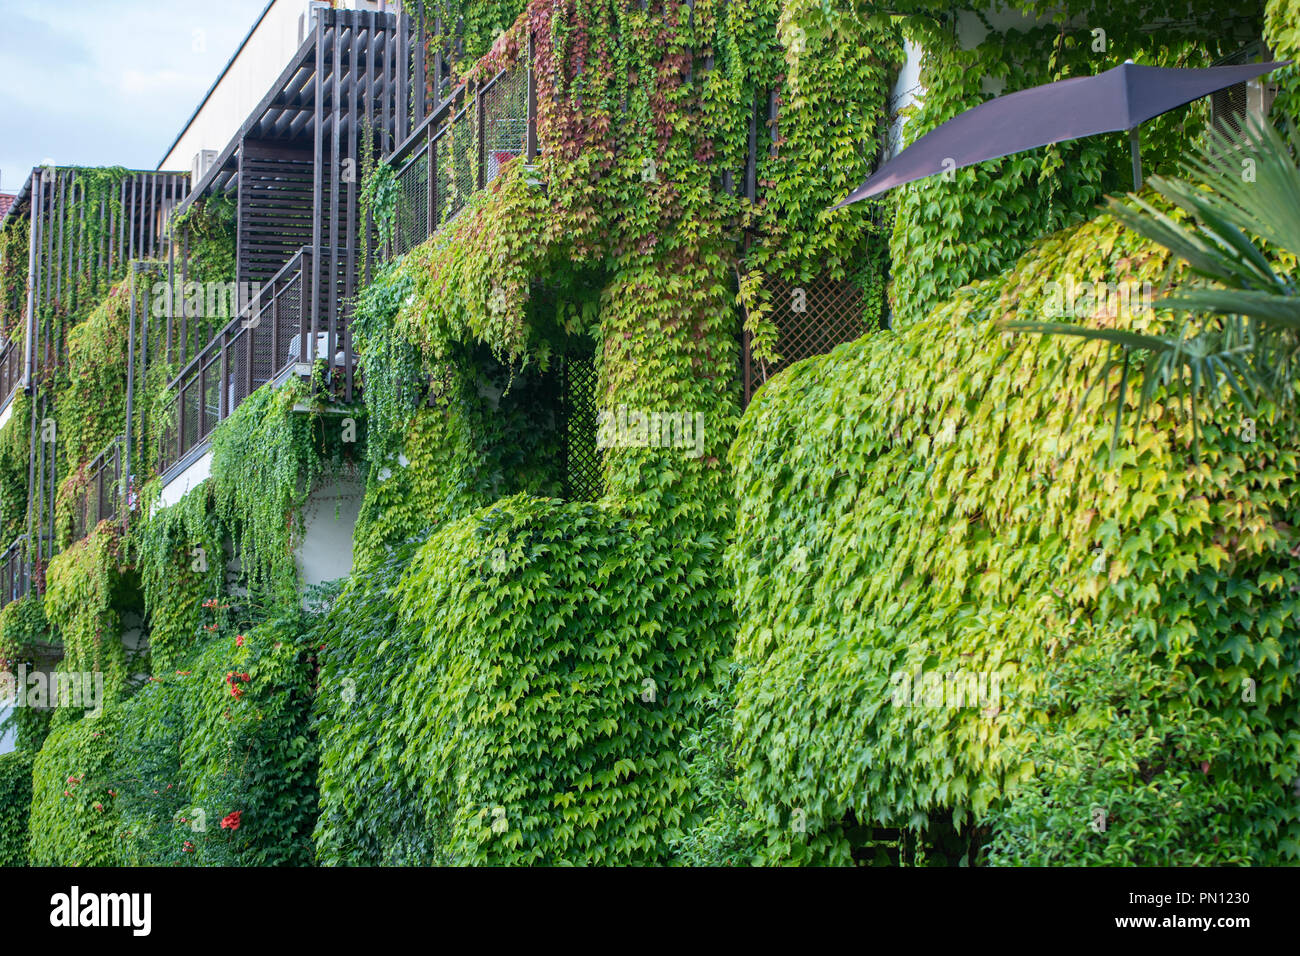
x=239, y=640
x=231, y=821
x=187, y=847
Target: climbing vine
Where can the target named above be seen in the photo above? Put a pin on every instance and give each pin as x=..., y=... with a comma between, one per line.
x=15, y=806
x=14, y=252
x=84, y=595
x=930, y=504
x=698, y=663
x=15, y=453
x=208, y=230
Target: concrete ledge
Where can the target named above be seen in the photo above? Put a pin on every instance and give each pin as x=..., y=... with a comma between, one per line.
x=186, y=475
x=7, y=406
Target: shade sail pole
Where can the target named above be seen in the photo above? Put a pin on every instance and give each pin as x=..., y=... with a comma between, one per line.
x=1135, y=145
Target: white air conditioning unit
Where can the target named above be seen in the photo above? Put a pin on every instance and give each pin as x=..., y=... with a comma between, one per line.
x=307, y=19
x=200, y=165
x=1234, y=108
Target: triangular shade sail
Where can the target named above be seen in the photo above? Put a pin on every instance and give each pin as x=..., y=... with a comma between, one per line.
x=1119, y=99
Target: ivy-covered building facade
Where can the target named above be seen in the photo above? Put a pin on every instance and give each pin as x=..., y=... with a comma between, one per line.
x=502, y=454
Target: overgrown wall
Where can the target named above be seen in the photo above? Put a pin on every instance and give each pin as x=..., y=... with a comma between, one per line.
x=572, y=645
x=940, y=505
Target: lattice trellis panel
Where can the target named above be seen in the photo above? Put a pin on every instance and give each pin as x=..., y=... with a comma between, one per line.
x=811, y=319
x=583, y=477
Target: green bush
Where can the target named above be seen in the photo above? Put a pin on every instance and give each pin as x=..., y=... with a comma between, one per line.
x=15, y=805
x=153, y=779
x=254, y=753
x=927, y=502
x=724, y=833
x=74, y=819
x=1139, y=776
x=549, y=658
x=369, y=802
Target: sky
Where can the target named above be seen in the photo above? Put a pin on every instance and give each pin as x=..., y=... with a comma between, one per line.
x=107, y=82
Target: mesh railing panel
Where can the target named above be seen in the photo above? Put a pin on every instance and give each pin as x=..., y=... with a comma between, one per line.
x=412, y=223
x=169, y=450
x=1229, y=109
x=256, y=347
x=463, y=166
x=444, y=183
x=189, y=403
x=505, y=117
x=461, y=161
x=11, y=368
x=15, y=579
x=211, y=397
x=265, y=363
x=236, y=383
x=100, y=497
x=287, y=317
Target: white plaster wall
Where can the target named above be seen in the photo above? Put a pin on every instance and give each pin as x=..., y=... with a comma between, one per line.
x=325, y=550
x=6, y=738
x=971, y=32
x=186, y=481
x=266, y=52
x=907, y=90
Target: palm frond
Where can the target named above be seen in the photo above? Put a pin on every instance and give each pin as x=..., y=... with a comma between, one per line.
x=1240, y=332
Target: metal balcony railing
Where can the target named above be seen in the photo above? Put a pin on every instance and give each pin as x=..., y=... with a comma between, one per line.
x=101, y=497
x=271, y=336
x=458, y=149
x=15, y=573
x=12, y=357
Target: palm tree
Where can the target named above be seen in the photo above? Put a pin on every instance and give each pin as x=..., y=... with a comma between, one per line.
x=1242, y=326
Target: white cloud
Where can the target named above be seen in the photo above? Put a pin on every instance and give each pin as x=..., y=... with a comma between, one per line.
x=107, y=83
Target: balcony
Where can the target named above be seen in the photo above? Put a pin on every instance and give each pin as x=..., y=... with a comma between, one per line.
x=280, y=333
x=15, y=573
x=11, y=377
x=101, y=496
x=458, y=149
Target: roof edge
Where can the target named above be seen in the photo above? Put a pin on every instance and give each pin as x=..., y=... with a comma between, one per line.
x=217, y=82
